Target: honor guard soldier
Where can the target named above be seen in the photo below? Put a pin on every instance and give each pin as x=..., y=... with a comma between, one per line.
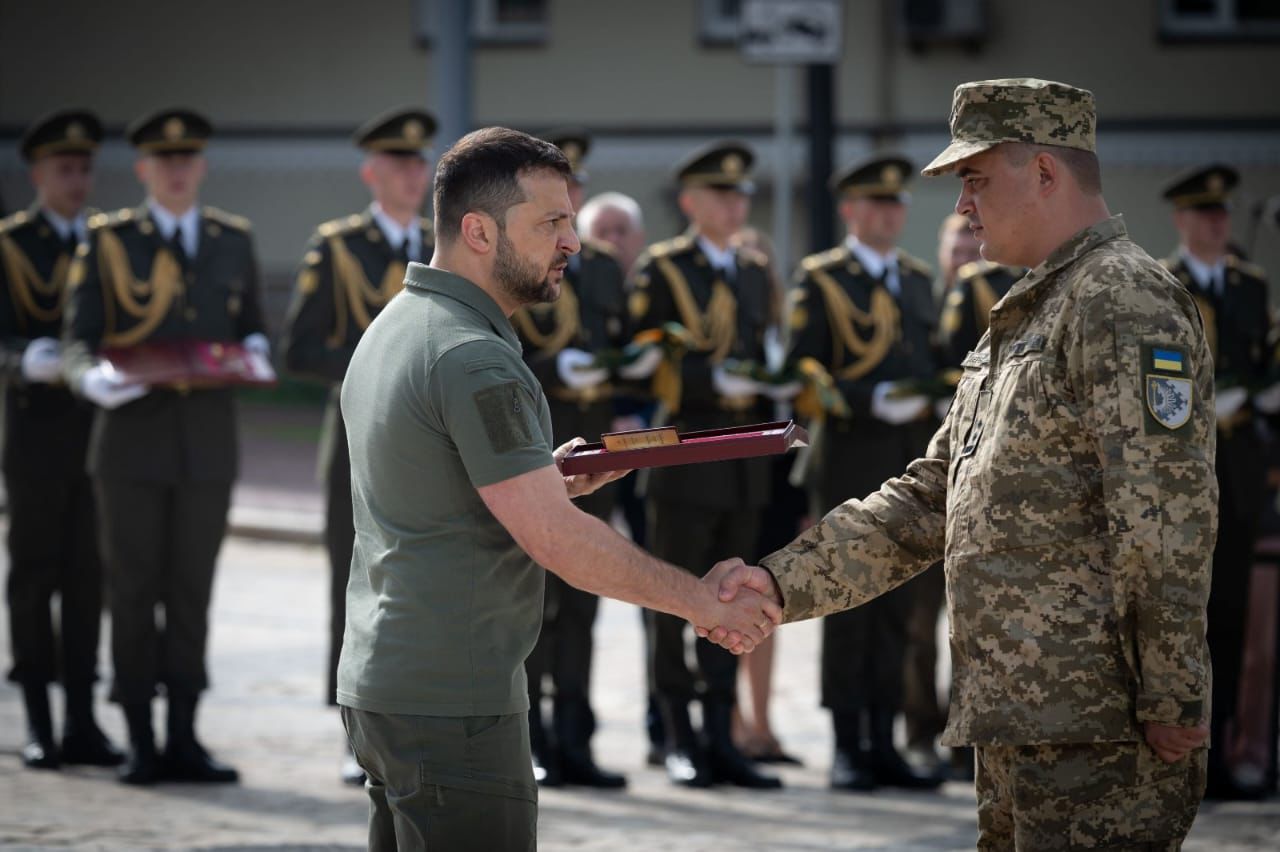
x=1232, y=296
x=162, y=458
x=559, y=339
x=52, y=541
x=351, y=269
x=863, y=313
x=701, y=514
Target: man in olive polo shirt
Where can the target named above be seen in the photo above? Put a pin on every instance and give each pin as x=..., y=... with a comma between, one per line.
x=456, y=493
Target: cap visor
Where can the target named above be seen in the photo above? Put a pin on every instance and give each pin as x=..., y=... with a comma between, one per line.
x=959, y=149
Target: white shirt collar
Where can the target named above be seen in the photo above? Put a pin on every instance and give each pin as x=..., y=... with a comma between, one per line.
x=1206, y=275
x=166, y=222
x=721, y=258
x=396, y=233
x=65, y=227
x=876, y=264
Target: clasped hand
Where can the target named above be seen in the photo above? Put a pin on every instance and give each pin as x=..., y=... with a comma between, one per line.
x=743, y=606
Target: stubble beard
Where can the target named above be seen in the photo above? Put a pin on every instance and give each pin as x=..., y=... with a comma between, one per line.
x=521, y=279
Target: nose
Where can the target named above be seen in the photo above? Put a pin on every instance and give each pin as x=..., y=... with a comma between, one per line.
x=964, y=205
x=569, y=242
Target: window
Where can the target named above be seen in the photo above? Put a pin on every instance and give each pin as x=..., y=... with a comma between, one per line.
x=719, y=22
x=492, y=21
x=1220, y=20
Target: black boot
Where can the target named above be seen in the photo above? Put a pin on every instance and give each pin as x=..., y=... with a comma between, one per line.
x=40, y=752
x=546, y=758
x=889, y=767
x=142, y=766
x=851, y=767
x=573, y=727
x=686, y=761
x=728, y=765
x=657, y=736
x=82, y=740
x=184, y=758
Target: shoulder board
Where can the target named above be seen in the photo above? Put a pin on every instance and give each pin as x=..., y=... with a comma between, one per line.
x=592, y=247
x=341, y=225
x=914, y=263
x=114, y=219
x=15, y=220
x=753, y=256
x=1252, y=270
x=824, y=259
x=975, y=267
x=675, y=245
x=229, y=220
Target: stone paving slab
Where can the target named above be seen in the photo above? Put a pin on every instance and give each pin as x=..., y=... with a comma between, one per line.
x=265, y=715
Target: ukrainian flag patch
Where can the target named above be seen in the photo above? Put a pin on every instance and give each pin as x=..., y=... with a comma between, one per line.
x=1167, y=386
x=1167, y=360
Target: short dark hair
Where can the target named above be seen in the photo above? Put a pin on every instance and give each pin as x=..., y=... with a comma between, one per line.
x=1083, y=165
x=482, y=171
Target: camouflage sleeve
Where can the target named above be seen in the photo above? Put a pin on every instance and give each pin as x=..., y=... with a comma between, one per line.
x=864, y=548
x=1144, y=380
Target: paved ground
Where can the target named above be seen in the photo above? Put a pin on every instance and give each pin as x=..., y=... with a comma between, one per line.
x=265, y=715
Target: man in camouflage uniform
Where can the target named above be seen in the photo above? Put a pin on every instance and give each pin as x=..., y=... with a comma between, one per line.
x=1231, y=294
x=559, y=339
x=351, y=269
x=699, y=514
x=863, y=313
x=162, y=458
x=52, y=541
x=1071, y=491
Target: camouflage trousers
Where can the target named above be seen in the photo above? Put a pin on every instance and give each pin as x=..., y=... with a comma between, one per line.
x=1116, y=795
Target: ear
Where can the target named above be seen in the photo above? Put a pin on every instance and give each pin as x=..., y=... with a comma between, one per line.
x=202, y=166
x=480, y=232
x=140, y=169
x=845, y=209
x=1048, y=173
x=685, y=200
x=366, y=172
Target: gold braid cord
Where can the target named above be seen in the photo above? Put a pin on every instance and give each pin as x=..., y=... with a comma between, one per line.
x=565, y=316
x=843, y=314
x=716, y=331
x=126, y=291
x=349, y=276
x=1209, y=317
x=25, y=283
x=984, y=299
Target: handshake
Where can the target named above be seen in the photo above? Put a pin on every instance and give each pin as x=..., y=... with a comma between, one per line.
x=740, y=606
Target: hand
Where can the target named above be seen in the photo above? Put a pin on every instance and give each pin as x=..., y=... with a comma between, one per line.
x=258, y=343
x=102, y=386
x=731, y=576
x=896, y=411
x=258, y=351
x=1228, y=401
x=782, y=392
x=1268, y=401
x=743, y=619
x=643, y=367
x=1174, y=742
x=728, y=384
x=942, y=406
x=575, y=370
x=581, y=484
x=42, y=361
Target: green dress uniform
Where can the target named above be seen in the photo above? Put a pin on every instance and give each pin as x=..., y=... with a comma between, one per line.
x=162, y=465
x=52, y=539
x=589, y=316
x=1071, y=492
x=862, y=332
x=1234, y=306
x=701, y=514
x=349, y=272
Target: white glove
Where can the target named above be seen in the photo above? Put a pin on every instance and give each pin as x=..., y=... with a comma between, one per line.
x=727, y=384
x=644, y=366
x=942, y=406
x=258, y=353
x=574, y=367
x=897, y=410
x=258, y=344
x=1227, y=402
x=782, y=392
x=102, y=386
x=1268, y=401
x=42, y=361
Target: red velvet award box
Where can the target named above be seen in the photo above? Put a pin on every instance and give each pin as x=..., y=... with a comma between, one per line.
x=664, y=447
x=189, y=363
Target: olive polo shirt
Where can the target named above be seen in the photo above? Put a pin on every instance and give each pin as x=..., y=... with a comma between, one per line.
x=443, y=607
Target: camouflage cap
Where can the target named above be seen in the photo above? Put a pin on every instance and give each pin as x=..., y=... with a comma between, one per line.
x=988, y=112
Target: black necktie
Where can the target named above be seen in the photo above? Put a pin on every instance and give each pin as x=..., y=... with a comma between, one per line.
x=177, y=245
x=70, y=242
x=402, y=251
